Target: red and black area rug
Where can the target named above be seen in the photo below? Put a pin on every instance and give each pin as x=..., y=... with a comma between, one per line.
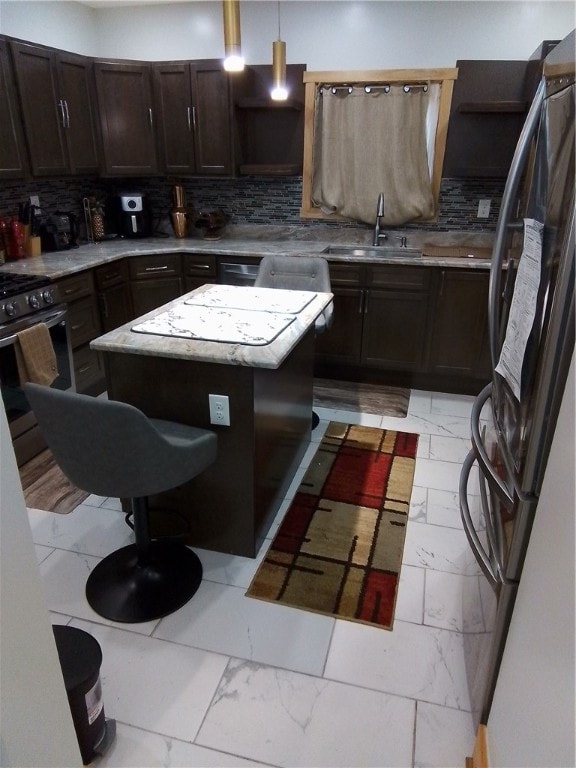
x=339, y=548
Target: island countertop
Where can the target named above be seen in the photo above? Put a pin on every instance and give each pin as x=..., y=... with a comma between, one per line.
x=231, y=325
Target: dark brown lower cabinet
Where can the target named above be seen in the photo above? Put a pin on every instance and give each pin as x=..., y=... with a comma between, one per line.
x=114, y=296
x=396, y=316
x=199, y=269
x=340, y=345
x=459, y=334
x=78, y=291
x=409, y=326
x=155, y=280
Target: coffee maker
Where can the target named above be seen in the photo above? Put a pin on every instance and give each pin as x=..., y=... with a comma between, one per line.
x=134, y=217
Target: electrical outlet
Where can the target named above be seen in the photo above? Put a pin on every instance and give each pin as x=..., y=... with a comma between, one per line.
x=484, y=209
x=219, y=410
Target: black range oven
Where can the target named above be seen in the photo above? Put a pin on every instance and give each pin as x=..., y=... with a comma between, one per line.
x=26, y=300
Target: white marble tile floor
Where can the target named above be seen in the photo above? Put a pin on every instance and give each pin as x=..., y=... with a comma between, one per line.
x=232, y=681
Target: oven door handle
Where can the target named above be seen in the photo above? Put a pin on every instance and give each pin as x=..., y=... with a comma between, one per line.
x=50, y=319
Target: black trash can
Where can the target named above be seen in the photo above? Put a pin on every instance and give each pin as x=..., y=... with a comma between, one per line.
x=80, y=659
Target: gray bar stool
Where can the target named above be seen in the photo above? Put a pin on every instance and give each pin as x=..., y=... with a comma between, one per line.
x=299, y=273
x=111, y=448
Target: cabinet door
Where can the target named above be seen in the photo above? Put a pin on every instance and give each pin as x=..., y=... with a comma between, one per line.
x=395, y=329
x=12, y=149
x=76, y=93
x=176, y=116
x=114, y=295
x=459, y=338
x=341, y=343
x=212, y=119
x=152, y=293
x=43, y=116
x=126, y=118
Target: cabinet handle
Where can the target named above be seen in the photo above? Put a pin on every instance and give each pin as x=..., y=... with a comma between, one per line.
x=150, y=117
x=63, y=116
x=104, y=304
x=361, y=303
x=366, y=295
x=189, y=118
x=67, y=114
x=200, y=266
x=156, y=269
x=194, y=117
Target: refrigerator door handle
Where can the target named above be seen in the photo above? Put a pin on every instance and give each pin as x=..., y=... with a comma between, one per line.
x=480, y=451
x=495, y=533
x=505, y=218
x=480, y=554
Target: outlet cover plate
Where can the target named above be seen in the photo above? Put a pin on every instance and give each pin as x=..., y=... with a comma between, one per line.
x=219, y=410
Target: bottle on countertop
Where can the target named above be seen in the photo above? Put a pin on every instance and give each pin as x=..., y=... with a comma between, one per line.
x=16, y=240
x=3, y=240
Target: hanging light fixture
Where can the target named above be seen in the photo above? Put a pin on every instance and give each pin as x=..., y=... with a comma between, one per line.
x=233, y=60
x=279, y=90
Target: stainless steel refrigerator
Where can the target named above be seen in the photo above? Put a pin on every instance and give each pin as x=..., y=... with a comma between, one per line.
x=531, y=323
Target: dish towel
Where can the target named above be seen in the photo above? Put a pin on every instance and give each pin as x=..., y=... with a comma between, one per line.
x=35, y=356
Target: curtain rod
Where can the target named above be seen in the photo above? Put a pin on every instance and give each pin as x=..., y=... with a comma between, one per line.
x=369, y=87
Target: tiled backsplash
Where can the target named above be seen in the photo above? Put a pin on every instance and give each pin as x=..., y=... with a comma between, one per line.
x=247, y=200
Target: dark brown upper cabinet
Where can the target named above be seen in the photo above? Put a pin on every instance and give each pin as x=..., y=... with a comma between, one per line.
x=127, y=118
x=193, y=103
x=270, y=133
x=13, y=163
x=56, y=97
x=488, y=110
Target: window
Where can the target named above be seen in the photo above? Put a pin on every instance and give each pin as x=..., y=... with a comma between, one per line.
x=371, y=132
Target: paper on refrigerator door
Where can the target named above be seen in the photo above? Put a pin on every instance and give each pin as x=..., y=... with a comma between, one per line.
x=523, y=307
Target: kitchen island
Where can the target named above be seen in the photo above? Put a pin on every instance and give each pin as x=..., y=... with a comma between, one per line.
x=255, y=346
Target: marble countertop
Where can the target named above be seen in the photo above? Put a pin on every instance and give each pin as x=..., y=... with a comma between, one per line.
x=218, y=324
x=257, y=240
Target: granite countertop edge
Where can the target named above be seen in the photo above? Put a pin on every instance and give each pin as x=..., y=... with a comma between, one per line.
x=123, y=340
x=255, y=241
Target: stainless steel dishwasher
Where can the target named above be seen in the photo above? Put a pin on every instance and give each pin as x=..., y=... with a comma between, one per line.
x=231, y=273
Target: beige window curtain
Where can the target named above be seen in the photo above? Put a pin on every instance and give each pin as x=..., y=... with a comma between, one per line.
x=366, y=143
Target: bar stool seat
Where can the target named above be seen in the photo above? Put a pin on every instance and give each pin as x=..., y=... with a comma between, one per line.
x=110, y=448
x=299, y=273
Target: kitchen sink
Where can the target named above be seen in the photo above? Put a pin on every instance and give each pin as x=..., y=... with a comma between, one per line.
x=370, y=251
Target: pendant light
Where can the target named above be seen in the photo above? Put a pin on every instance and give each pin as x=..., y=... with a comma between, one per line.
x=233, y=61
x=279, y=90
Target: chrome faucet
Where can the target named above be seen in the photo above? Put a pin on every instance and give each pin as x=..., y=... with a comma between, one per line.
x=379, y=214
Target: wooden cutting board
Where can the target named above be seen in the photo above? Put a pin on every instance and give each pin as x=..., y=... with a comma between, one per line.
x=456, y=251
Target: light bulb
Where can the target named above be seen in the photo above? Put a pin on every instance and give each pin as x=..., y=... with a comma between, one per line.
x=233, y=60
x=279, y=91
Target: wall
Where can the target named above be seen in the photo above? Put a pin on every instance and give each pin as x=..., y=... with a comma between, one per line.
x=67, y=25
x=324, y=35
x=532, y=718
x=37, y=729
